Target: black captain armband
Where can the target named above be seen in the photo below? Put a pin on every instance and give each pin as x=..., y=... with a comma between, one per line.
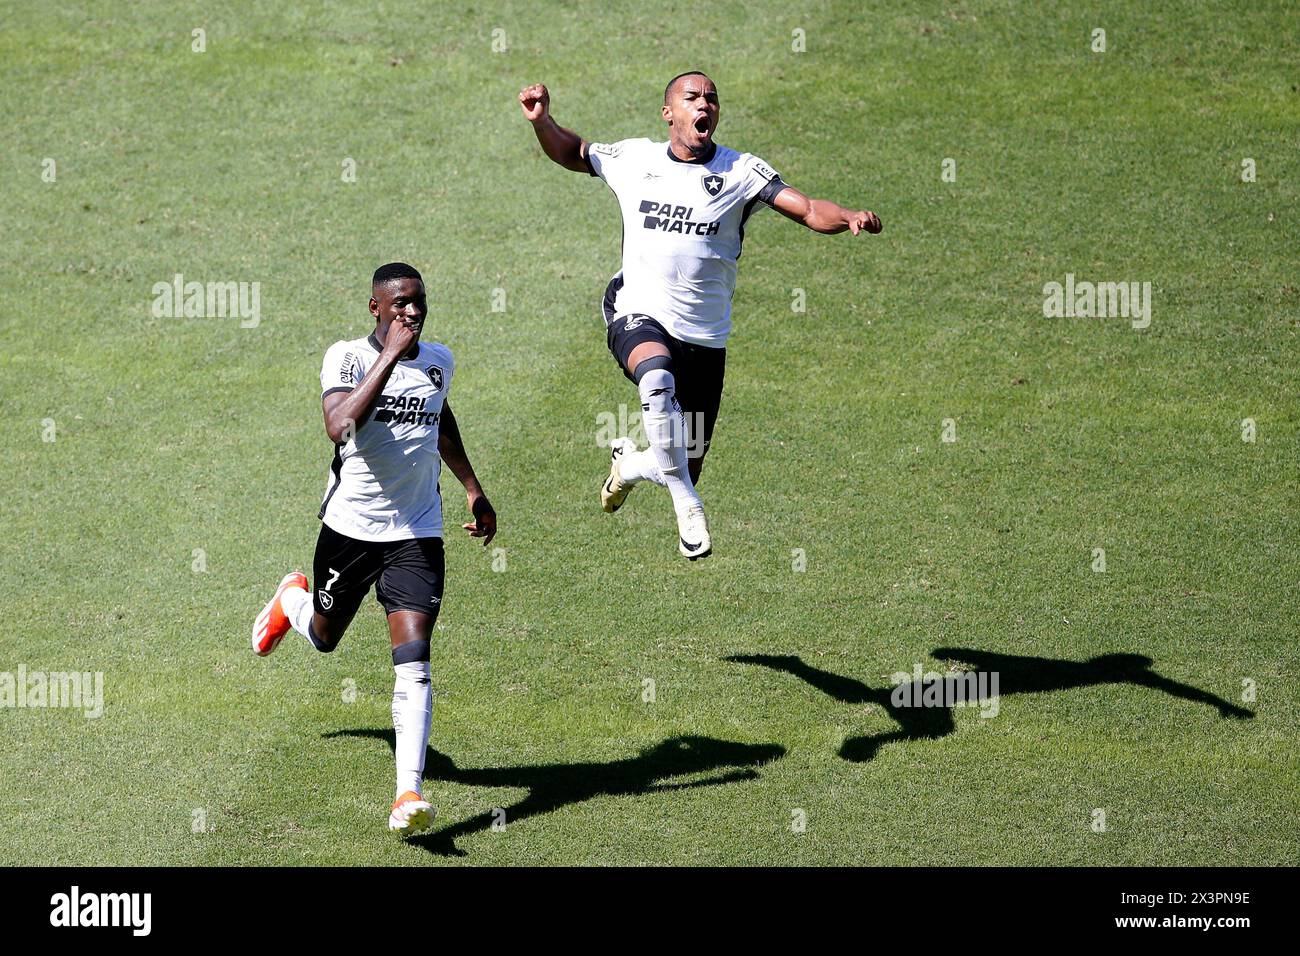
x=769, y=192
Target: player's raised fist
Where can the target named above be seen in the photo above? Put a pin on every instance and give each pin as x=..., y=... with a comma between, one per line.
x=864, y=220
x=536, y=101
x=401, y=335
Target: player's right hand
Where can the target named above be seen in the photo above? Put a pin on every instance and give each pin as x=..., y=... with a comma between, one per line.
x=401, y=335
x=535, y=101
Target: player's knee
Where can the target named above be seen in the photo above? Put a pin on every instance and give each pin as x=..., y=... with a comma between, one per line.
x=326, y=646
x=324, y=637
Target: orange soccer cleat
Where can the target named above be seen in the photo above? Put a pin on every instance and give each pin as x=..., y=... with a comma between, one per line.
x=411, y=814
x=272, y=624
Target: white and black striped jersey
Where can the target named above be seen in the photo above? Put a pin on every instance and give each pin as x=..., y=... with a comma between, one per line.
x=683, y=225
x=383, y=482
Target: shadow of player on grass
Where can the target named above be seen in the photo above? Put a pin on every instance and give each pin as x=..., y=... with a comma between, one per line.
x=1016, y=675
x=551, y=786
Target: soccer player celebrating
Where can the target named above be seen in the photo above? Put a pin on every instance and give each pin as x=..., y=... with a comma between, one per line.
x=385, y=404
x=668, y=310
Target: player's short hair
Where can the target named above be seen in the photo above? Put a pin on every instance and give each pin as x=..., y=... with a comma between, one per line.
x=395, y=270
x=669, y=88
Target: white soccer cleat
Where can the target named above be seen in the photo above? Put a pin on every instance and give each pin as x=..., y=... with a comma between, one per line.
x=614, y=491
x=693, y=534
x=410, y=814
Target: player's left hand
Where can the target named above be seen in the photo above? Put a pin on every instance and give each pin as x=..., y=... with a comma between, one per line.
x=484, y=524
x=864, y=219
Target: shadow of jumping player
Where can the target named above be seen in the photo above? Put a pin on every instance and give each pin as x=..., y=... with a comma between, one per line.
x=1016, y=675
x=551, y=786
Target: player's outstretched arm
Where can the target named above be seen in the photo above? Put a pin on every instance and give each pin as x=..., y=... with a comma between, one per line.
x=822, y=215
x=452, y=450
x=563, y=146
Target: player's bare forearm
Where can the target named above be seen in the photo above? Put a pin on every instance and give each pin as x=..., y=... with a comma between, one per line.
x=828, y=218
x=824, y=216
x=344, y=411
x=452, y=451
x=562, y=146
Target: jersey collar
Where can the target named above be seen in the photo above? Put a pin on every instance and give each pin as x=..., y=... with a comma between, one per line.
x=713, y=149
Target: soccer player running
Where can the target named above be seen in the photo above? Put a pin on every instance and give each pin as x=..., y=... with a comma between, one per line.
x=385, y=404
x=668, y=310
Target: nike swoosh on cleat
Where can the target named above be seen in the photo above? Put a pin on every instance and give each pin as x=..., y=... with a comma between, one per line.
x=688, y=546
x=609, y=491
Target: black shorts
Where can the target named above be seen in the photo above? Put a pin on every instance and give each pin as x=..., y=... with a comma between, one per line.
x=697, y=369
x=407, y=575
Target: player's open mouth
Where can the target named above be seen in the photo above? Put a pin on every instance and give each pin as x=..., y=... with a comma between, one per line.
x=702, y=124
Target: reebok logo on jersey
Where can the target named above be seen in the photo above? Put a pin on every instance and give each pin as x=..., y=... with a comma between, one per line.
x=712, y=183
x=404, y=410
x=670, y=218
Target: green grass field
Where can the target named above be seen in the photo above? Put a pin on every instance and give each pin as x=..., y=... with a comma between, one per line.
x=194, y=442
